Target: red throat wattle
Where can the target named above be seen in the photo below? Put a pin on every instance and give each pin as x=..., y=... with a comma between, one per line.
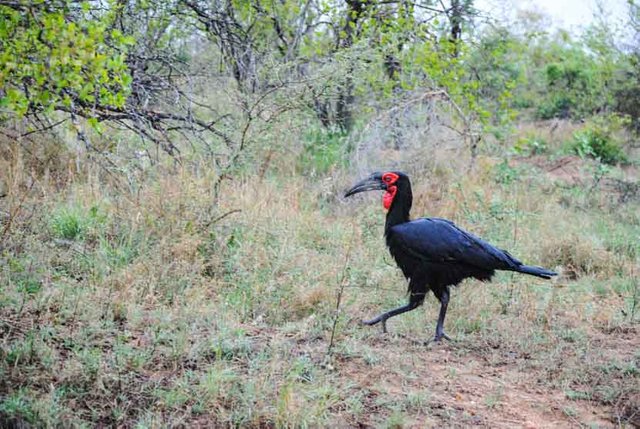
x=388, y=196
x=389, y=179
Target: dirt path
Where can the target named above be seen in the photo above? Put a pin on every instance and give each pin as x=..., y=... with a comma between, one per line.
x=448, y=385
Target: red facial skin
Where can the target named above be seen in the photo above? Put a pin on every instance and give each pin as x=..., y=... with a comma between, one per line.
x=387, y=198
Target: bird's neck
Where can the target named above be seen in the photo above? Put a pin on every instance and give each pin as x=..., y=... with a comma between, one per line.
x=400, y=208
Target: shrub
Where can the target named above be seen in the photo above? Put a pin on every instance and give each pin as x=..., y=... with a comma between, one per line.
x=559, y=106
x=600, y=139
x=530, y=145
x=323, y=150
x=627, y=92
x=597, y=144
x=504, y=173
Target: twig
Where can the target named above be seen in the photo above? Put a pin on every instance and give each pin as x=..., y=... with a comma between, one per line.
x=376, y=288
x=219, y=218
x=515, y=241
x=343, y=282
x=16, y=212
x=636, y=294
x=471, y=137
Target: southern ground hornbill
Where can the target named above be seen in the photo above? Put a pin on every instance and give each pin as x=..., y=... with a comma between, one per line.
x=433, y=253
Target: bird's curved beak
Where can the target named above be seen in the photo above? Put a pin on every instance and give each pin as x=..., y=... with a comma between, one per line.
x=368, y=184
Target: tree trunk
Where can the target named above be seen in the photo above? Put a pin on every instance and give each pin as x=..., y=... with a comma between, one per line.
x=456, y=19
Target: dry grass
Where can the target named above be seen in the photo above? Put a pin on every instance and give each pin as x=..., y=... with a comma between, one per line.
x=138, y=307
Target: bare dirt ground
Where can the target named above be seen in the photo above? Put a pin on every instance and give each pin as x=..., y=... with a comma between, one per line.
x=456, y=384
x=475, y=382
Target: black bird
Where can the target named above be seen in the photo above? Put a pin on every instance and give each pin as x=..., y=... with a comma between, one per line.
x=433, y=253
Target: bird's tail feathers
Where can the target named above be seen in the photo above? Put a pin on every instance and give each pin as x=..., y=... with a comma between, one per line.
x=536, y=271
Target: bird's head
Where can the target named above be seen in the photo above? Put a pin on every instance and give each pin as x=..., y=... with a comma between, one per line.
x=389, y=181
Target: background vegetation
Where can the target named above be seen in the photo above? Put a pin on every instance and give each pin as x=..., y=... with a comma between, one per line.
x=175, y=250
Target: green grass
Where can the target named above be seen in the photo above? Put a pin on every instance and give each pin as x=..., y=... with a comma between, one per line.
x=323, y=151
x=136, y=312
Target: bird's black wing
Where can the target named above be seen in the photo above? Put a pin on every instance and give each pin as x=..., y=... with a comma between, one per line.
x=441, y=241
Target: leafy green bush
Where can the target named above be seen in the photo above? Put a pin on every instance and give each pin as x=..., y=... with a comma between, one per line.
x=530, y=145
x=559, y=106
x=323, y=150
x=574, y=77
x=599, y=139
x=595, y=144
x=504, y=173
x=627, y=92
x=61, y=54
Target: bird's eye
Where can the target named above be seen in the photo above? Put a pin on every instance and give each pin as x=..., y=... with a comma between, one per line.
x=389, y=178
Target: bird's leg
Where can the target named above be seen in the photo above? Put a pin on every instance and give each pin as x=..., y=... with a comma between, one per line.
x=384, y=316
x=415, y=300
x=443, y=296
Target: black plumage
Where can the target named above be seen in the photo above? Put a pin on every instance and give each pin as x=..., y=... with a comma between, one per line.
x=433, y=253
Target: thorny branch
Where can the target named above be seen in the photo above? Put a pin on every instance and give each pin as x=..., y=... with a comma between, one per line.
x=468, y=133
x=344, y=279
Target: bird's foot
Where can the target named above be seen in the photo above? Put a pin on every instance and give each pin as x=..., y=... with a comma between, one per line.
x=439, y=336
x=375, y=321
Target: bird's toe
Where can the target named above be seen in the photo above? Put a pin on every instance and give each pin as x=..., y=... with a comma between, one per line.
x=375, y=321
x=438, y=338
